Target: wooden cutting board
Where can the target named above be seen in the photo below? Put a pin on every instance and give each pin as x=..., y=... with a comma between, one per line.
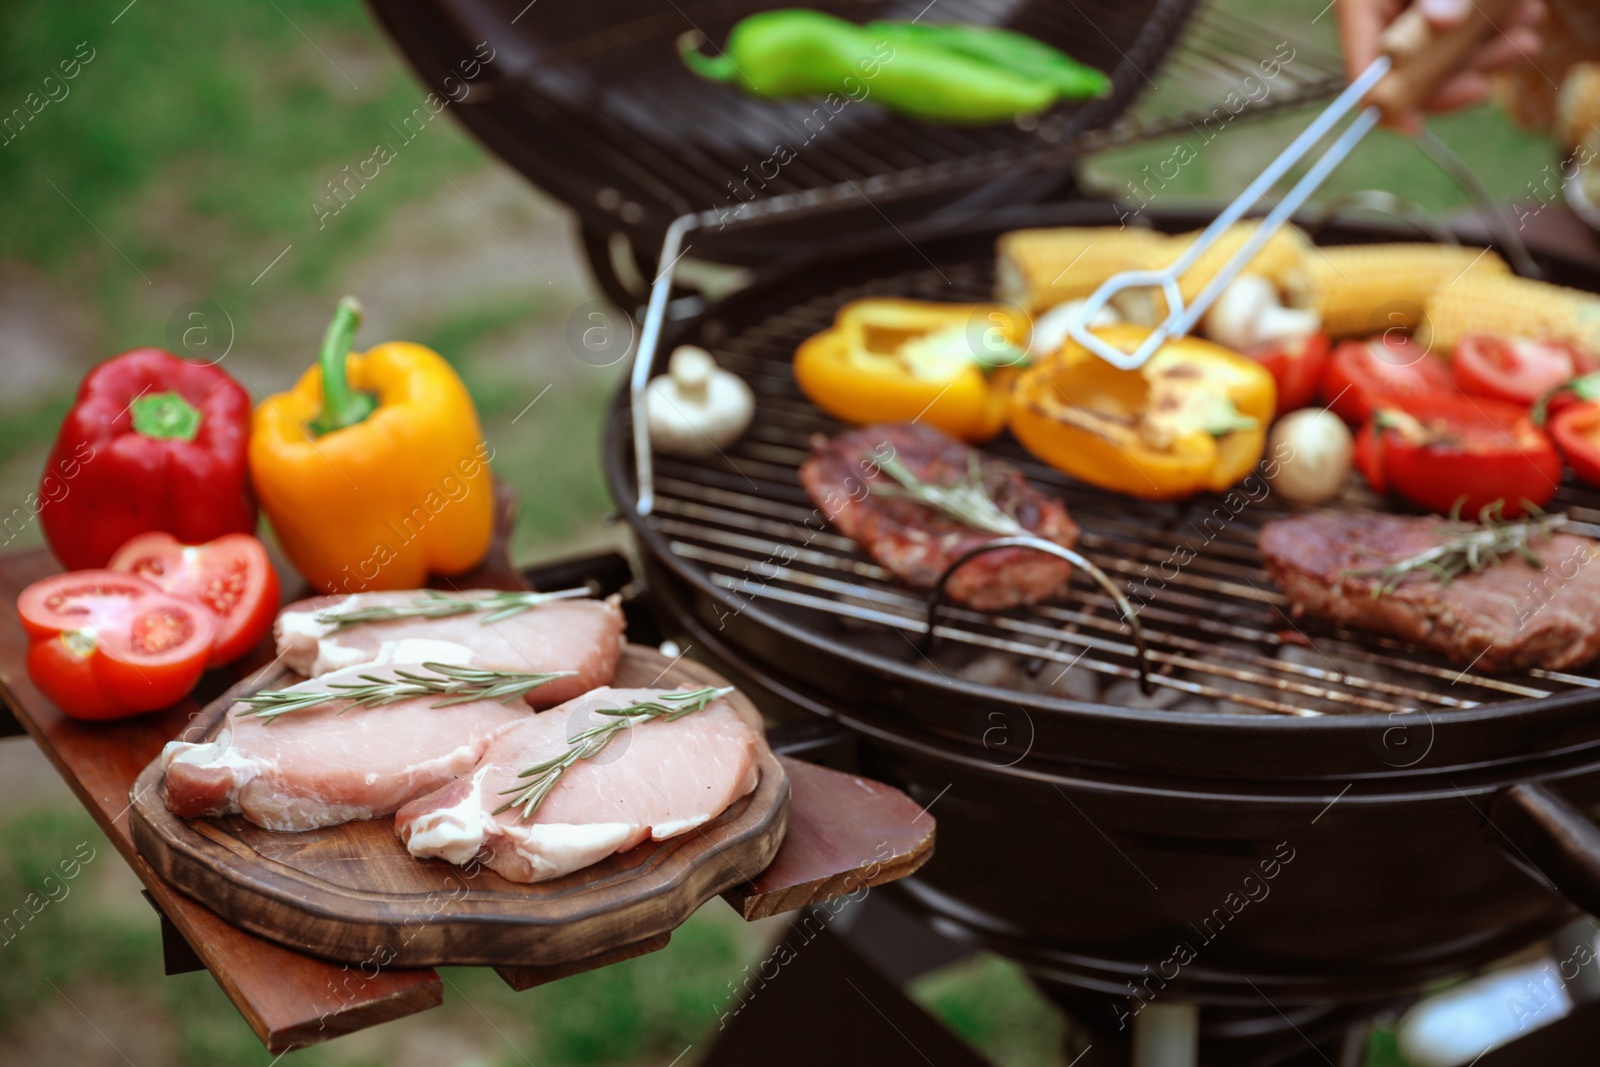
x=352, y=893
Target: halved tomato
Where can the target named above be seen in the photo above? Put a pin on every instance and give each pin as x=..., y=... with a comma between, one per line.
x=106, y=645
x=231, y=576
x=1388, y=368
x=1515, y=369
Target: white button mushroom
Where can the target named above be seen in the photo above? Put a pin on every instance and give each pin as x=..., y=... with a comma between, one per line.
x=1309, y=453
x=696, y=408
x=1249, y=313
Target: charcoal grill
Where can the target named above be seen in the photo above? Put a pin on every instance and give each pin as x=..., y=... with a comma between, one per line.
x=1433, y=810
x=1434, y=813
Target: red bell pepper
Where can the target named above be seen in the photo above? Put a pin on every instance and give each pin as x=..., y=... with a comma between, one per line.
x=1576, y=431
x=154, y=443
x=1446, y=453
x=1579, y=392
x=1297, y=365
x=1363, y=375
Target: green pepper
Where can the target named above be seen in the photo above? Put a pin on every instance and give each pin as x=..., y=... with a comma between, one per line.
x=798, y=53
x=1016, y=52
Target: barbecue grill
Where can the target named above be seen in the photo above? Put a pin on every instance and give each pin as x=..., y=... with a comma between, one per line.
x=1419, y=819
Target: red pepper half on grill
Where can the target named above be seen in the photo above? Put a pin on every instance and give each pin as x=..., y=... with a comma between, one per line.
x=154, y=443
x=1297, y=364
x=1449, y=452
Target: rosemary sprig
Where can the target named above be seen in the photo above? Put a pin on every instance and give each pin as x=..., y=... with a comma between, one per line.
x=966, y=501
x=436, y=605
x=457, y=684
x=591, y=742
x=1472, y=550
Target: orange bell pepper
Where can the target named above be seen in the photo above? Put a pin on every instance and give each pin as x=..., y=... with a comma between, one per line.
x=947, y=365
x=1193, y=418
x=372, y=468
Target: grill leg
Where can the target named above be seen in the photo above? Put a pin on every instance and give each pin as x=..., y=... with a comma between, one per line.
x=1167, y=1035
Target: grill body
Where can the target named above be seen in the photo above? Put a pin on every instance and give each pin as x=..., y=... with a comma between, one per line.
x=1097, y=842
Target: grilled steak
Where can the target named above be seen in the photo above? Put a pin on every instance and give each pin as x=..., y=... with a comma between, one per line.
x=1511, y=616
x=916, y=542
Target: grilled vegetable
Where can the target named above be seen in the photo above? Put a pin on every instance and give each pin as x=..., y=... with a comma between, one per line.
x=696, y=409
x=1039, y=269
x=1515, y=369
x=1452, y=454
x=372, y=468
x=1507, y=306
x=1388, y=369
x=1313, y=450
x=1192, y=418
x=1297, y=365
x=1364, y=289
x=104, y=645
x=151, y=443
x=999, y=47
x=1281, y=260
x=947, y=365
x=800, y=53
x=1575, y=428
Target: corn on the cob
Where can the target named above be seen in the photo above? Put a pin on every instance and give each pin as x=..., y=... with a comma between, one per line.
x=1509, y=306
x=1366, y=289
x=1038, y=269
x=1281, y=260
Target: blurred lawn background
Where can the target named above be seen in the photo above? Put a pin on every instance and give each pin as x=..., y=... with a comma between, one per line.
x=182, y=167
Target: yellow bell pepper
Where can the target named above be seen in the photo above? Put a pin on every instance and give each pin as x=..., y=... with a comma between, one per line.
x=1193, y=418
x=947, y=365
x=372, y=468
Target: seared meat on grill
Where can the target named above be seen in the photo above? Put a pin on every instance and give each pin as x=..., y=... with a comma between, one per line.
x=1511, y=616
x=916, y=542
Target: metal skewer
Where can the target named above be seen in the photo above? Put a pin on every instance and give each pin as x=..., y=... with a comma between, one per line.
x=1415, y=58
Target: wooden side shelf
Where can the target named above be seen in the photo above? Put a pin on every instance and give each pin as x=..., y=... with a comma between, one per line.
x=846, y=833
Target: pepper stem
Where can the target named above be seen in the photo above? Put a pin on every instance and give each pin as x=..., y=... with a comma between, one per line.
x=165, y=416
x=717, y=68
x=341, y=405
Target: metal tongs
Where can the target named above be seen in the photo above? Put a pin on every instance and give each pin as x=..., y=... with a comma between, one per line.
x=1415, y=59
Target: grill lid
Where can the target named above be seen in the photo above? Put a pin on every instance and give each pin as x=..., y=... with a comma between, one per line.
x=591, y=103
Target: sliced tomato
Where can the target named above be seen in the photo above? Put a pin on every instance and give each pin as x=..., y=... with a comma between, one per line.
x=1387, y=369
x=1447, y=452
x=1576, y=431
x=1297, y=365
x=231, y=576
x=1515, y=369
x=105, y=645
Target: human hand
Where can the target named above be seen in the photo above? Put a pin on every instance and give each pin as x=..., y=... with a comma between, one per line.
x=1361, y=26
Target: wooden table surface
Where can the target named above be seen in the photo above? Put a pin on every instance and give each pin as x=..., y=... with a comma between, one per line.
x=845, y=833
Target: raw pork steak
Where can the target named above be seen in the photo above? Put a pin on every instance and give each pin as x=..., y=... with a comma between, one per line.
x=563, y=635
x=334, y=763
x=657, y=780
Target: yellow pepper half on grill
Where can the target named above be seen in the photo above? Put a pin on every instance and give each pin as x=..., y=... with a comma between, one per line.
x=372, y=468
x=947, y=365
x=1193, y=418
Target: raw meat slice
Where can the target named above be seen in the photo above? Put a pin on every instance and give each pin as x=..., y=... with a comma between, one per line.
x=563, y=635
x=914, y=542
x=333, y=763
x=1510, y=616
x=657, y=780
